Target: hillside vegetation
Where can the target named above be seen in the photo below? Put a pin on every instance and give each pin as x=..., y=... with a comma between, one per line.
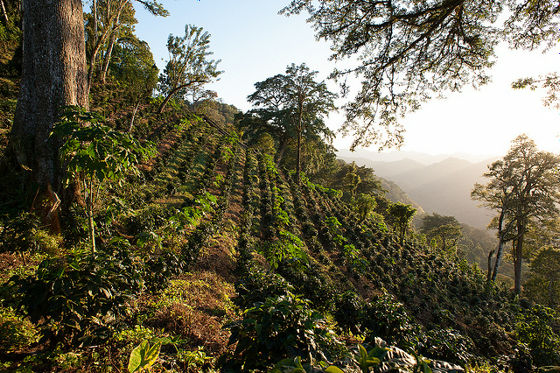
x=443, y=187
x=227, y=262
x=154, y=228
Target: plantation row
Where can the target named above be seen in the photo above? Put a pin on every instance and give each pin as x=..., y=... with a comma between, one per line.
x=302, y=247
x=215, y=258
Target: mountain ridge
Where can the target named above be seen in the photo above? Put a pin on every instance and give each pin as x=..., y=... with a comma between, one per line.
x=442, y=187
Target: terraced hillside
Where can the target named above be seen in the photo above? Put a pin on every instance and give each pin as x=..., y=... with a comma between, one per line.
x=225, y=262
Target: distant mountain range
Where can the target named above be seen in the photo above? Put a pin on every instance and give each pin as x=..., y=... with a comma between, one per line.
x=439, y=184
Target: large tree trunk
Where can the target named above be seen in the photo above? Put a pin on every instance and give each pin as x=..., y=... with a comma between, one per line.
x=54, y=75
x=500, y=251
x=517, y=261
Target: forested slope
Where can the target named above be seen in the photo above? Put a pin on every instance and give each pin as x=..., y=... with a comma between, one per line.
x=227, y=262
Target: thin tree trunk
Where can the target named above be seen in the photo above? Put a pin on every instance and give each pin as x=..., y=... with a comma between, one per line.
x=94, y=6
x=300, y=123
x=91, y=231
x=4, y=13
x=54, y=75
x=92, y=62
x=91, y=223
x=109, y=51
x=99, y=42
x=489, y=272
x=171, y=94
x=107, y=59
x=133, y=115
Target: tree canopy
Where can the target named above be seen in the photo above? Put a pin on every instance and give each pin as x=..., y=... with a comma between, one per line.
x=524, y=187
x=443, y=231
x=410, y=51
x=291, y=105
x=189, y=65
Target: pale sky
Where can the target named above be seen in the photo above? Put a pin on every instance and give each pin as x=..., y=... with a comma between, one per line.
x=254, y=43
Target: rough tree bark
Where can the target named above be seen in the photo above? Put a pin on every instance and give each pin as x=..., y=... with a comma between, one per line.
x=54, y=75
x=500, y=251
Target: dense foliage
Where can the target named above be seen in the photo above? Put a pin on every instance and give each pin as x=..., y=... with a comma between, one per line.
x=214, y=249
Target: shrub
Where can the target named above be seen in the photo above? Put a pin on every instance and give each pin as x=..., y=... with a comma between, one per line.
x=538, y=328
x=16, y=332
x=386, y=318
x=349, y=309
x=81, y=299
x=449, y=345
x=280, y=327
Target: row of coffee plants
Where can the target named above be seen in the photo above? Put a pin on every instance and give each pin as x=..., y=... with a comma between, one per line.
x=445, y=297
x=74, y=300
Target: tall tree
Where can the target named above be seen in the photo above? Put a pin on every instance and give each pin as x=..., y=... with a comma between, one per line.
x=189, y=66
x=444, y=230
x=54, y=75
x=271, y=114
x=408, y=50
x=400, y=216
x=296, y=104
x=310, y=101
x=524, y=187
x=107, y=19
x=136, y=72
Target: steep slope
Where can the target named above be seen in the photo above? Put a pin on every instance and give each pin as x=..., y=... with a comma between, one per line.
x=230, y=263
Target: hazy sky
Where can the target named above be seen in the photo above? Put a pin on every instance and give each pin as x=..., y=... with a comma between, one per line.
x=254, y=42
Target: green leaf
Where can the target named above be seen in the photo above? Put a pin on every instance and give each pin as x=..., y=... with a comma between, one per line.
x=333, y=369
x=143, y=356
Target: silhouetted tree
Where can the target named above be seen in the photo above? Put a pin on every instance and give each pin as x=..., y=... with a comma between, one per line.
x=409, y=51
x=523, y=188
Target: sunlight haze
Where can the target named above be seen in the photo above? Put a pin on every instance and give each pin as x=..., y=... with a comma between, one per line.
x=255, y=42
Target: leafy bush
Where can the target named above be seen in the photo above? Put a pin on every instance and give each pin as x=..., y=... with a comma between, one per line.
x=287, y=248
x=449, y=345
x=280, y=327
x=22, y=234
x=539, y=329
x=257, y=285
x=81, y=299
x=16, y=332
x=349, y=311
x=386, y=318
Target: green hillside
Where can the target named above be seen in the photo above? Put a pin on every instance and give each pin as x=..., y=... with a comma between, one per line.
x=147, y=226
x=229, y=264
